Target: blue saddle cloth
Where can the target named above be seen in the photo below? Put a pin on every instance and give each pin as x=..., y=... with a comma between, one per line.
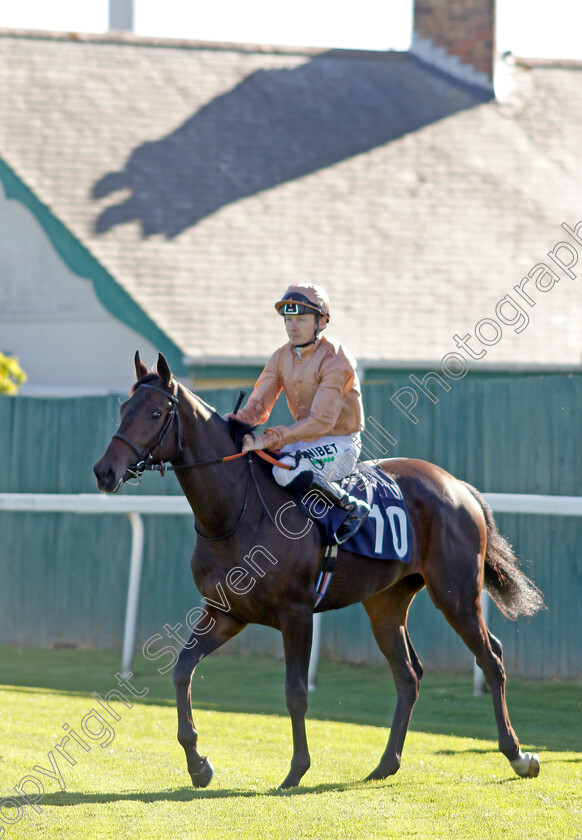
x=385, y=534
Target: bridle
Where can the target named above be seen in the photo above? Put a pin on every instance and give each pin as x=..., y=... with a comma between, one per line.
x=146, y=456
x=147, y=462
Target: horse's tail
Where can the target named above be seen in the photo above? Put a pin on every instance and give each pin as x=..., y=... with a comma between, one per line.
x=513, y=592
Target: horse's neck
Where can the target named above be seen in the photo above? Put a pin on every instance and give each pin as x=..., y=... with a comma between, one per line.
x=217, y=490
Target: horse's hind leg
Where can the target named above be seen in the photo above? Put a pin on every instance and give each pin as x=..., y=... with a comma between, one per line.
x=215, y=629
x=467, y=620
x=387, y=612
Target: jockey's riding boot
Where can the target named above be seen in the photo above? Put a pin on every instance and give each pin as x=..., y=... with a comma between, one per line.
x=357, y=509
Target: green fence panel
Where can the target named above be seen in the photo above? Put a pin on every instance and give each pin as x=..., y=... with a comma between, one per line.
x=63, y=577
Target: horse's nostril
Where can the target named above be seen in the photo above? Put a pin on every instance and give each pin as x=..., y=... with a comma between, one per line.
x=105, y=478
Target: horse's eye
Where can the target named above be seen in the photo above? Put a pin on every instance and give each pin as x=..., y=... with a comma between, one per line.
x=157, y=414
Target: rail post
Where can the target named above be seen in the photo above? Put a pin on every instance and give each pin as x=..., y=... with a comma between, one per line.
x=135, y=567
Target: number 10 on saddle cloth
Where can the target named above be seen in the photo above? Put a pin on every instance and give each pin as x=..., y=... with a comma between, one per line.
x=385, y=535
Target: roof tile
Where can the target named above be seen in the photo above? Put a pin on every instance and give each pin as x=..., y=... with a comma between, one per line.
x=206, y=180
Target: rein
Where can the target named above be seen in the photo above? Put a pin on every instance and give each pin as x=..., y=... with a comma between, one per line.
x=260, y=452
x=250, y=474
x=146, y=459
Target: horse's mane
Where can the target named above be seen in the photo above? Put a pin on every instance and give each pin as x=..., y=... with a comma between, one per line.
x=237, y=430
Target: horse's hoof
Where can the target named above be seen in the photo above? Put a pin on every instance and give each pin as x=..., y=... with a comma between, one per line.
x=526, y=765
x=291, y=781
x=381, y=773
x=294, y=775
x=287, y=785
x=202, y=776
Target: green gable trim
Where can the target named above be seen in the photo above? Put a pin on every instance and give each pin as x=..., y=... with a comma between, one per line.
x=225, y=371
x=82, y=263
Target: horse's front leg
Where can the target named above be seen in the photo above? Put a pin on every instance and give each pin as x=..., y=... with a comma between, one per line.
x=216, y=628
x=297, y=629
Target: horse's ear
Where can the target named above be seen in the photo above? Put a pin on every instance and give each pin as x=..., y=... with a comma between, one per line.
x=164, y=371
x=140, y=369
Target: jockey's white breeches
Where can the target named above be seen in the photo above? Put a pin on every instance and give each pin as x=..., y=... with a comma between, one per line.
x=332, y=456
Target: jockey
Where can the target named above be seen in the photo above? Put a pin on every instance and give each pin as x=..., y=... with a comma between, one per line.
x=322, y=389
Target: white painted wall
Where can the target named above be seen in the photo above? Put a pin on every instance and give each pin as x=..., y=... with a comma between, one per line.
x=52, y=320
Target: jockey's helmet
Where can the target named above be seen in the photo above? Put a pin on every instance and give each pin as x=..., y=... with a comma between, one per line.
x=299, y=300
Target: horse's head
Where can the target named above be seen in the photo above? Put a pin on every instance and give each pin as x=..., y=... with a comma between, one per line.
x=142, y=437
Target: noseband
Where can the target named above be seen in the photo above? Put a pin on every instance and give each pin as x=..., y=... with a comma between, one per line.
x=146, y=456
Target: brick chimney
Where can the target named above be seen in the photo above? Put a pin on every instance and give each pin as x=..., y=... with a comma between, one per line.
x=121, y=15
x=458, y=36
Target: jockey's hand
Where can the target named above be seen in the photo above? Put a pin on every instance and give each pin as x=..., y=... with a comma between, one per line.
x=250, y=443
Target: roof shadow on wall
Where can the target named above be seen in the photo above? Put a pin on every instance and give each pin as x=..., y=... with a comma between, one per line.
x=275, y=126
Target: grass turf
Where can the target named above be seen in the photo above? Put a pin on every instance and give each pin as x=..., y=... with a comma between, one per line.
x=453, y=781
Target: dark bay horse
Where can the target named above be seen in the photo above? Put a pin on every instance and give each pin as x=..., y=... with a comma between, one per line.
x=257, y=557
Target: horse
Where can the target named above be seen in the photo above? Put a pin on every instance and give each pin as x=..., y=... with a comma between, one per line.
x=242, y=515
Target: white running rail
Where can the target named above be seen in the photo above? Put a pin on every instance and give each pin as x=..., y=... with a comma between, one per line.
x=135, y=506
